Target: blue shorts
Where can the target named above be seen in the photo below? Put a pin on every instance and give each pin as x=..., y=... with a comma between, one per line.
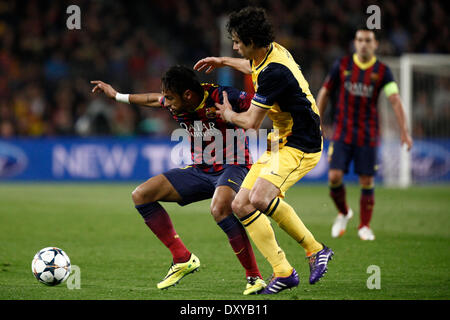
x=364, y=158
x=194, y=185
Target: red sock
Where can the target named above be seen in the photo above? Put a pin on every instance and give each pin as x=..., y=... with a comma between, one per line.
x=367, y=201
x=157, y=219
x=339, y=198
x=237, y=236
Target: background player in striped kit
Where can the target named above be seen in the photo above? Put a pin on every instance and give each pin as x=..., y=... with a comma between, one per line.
x=355, y=82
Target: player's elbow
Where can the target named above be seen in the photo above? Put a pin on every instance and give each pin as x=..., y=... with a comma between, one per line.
x=253, y=124
x=247, y=69
x=395, y=100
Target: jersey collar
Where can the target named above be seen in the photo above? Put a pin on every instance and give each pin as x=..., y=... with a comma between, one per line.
x=202, y=104
x=265, y=58
x=364, y=65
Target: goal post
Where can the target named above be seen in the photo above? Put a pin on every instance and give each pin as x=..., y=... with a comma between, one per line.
x=419, y=77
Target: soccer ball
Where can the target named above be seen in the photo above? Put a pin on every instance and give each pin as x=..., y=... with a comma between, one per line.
x=51, y=266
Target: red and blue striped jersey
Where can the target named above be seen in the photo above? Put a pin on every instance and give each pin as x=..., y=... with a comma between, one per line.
x=204, y=126
x=355, y=87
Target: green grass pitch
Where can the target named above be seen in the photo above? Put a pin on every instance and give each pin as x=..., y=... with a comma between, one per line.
x=119, y=258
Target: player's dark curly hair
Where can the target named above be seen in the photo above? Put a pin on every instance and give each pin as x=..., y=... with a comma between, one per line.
x=363, y=27
x=251, y=26
x=179, y=78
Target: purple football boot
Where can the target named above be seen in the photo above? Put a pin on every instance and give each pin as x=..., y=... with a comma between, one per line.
x=318, y=263
x=278, y=284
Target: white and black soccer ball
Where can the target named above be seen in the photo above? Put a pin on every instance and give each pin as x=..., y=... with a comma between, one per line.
x=51, y=266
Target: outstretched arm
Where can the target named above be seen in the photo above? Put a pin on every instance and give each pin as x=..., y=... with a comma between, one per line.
x=210, y=63
x=144, y=99
x=397, y=105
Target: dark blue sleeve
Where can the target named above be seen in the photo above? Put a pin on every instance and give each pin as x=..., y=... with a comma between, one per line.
x=272, y=82
x=239, y=100
x=388, y=77
x=333, y=78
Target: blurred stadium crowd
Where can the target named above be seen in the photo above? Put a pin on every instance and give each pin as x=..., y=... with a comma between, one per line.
x=45, y=68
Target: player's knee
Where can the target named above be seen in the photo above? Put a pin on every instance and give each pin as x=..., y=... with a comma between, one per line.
x=259, y=201
x=366, y=181
x=137, y=197
x=140, y=197
x=220, y=210
x=335, y=177
x=237, y=206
